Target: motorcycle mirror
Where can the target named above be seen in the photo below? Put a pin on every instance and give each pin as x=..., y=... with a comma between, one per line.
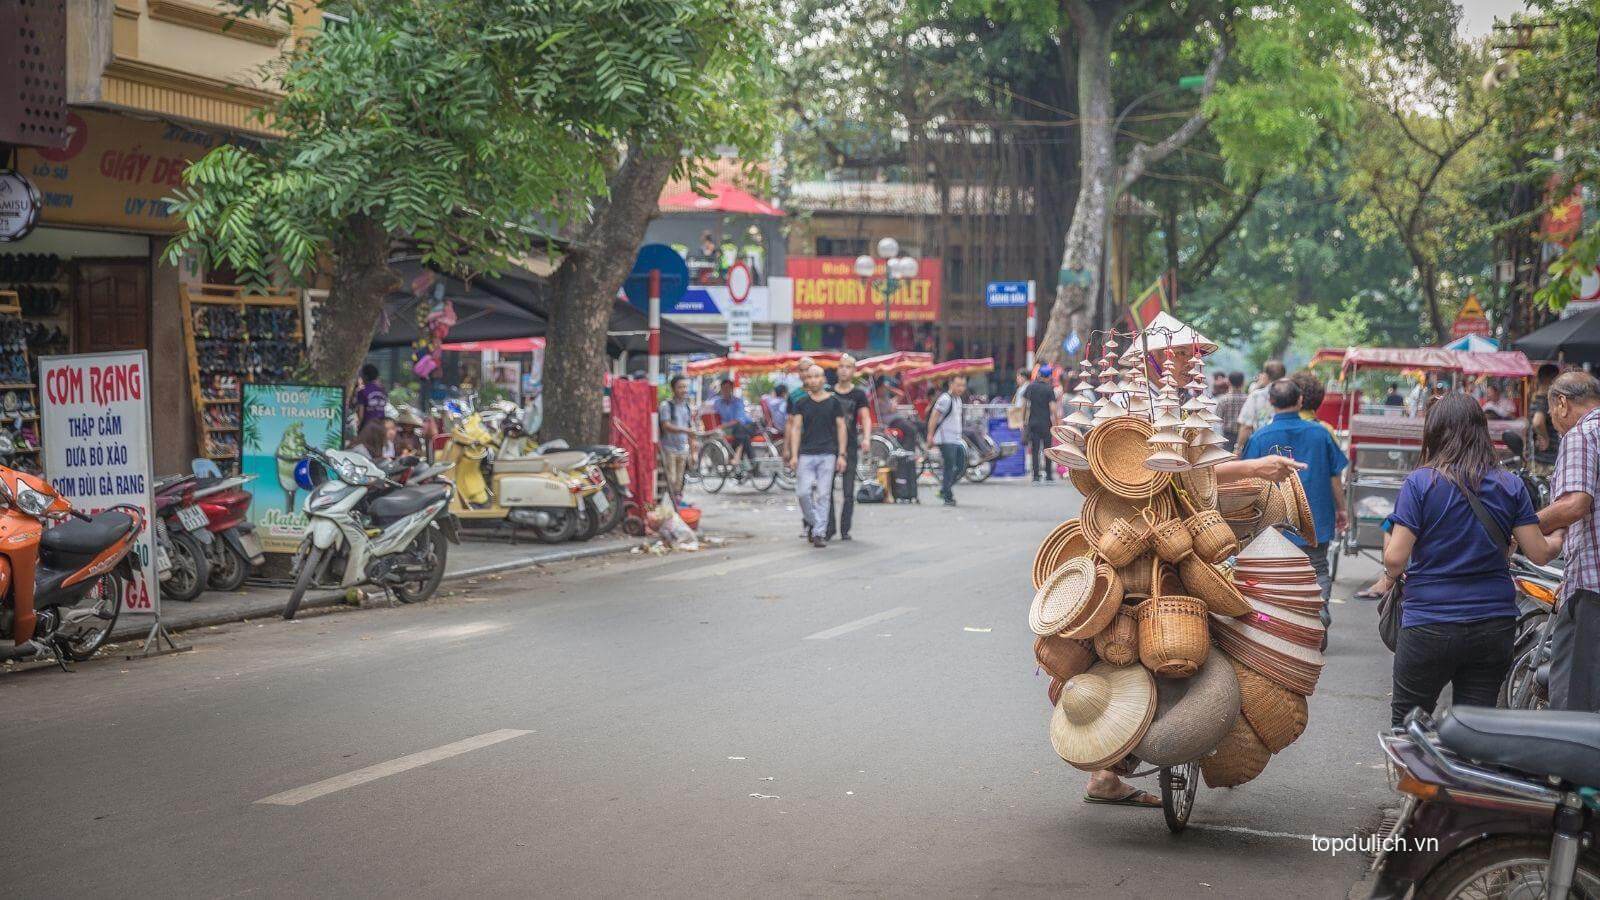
x=1513, y=442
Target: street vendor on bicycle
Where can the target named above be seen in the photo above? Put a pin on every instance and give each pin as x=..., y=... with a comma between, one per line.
x=733, y=419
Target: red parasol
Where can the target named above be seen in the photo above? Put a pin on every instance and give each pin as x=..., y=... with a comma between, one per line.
x=759, y=363
x=894, y=363
x=949, y=369
x=724, y=198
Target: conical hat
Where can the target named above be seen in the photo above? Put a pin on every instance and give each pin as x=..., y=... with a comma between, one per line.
x=1271, y=544
x=1102, y=714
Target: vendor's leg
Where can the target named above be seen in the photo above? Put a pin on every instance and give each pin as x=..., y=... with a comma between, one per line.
x=1105, y=785
x=1319, y=564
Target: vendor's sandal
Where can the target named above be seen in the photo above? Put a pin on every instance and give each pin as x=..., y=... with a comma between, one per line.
x=1370, y=594
x=1134, y=797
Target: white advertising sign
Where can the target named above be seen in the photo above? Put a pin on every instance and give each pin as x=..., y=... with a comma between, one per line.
x=95, y=422
x=740, y=326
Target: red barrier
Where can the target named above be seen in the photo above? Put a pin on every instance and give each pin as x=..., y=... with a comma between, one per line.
x=632, y=404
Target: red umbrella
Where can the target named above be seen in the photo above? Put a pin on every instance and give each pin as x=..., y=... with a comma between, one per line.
x=949, y=369
x=725, y=198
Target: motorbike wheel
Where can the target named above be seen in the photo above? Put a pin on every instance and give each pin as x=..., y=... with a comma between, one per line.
x=303, y=579
x=588, y=521
x=191, y=569
x=1504, y=867
x=228, y=568
x=713, y=466
x=619, y=504
x=566, y=524
x=105, y=598
x=979, y=473
x=878, y=451
x=433, y=541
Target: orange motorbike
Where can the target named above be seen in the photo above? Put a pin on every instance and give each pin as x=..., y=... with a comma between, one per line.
x=62, y=573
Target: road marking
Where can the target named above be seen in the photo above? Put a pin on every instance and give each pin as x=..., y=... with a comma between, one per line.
x=848, y=627
x=1240, y=829
x=393, y=767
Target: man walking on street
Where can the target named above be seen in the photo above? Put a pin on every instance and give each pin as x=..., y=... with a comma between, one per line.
x=1257, y=409
x=816, y=443
x=677, y=437
x=858, y=427
x=1039, y=397
x=1312, y=444
x=1574, y=407
x=1229, y=404
x=944, y=430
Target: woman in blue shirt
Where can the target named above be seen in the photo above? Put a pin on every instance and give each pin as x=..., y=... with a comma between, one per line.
x=1458, y=619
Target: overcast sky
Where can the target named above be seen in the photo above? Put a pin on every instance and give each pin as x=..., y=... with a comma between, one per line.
x=1479, y=15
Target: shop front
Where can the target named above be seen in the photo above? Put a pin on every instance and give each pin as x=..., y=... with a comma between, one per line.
x=835, y=309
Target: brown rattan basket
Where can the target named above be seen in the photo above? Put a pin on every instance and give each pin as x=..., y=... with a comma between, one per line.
x=1104, y=601
x=1239, y=758
x=1138, y=577
x=1173, y=635
x=1083, y=480
x=1064, y=542
x=1118, y=644
x=1307, y=526
x=1170, y=538
x=1215, y=587
x=1234, y=497
x=1101, y=508
x=1277, y=714
x=1063, y=597
x=1200, y=485
x=1125, y=541
x=1213, y=540
x=1279, y=508
x=1061, y=657
x=1117, y=451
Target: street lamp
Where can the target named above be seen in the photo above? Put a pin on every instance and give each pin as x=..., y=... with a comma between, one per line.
x=896, y=269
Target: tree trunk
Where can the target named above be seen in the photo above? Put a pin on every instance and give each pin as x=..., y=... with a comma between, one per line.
x=347, y=320
x=1429, y=277
x=1084, y=247
x=583, y=289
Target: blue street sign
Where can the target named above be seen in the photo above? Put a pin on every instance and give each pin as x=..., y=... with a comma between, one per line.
x=1006, y=295
x=1072, y=344
x=674, y=277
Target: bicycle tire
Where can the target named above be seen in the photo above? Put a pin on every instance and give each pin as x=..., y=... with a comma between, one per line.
x=712, y=465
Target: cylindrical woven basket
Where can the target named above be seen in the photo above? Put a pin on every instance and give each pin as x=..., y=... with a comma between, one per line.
x=1101, y=508
x=1118, y=644
x=1117, y=451
x=1216, y=588
x=1239, y=758
x=1213, y=540
x=1138, y=577
x=1064, y=542
x=1170, y=537
x=1061, y=657
x=1125, y=541
x=1062, y=597
x=1173, y=635
x=1104, y=601
x=1168, y=583
x=1277, y=714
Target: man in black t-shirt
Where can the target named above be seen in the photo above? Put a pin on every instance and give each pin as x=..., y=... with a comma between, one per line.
x=858, y=427
x=1040, y=399
x=816, y=445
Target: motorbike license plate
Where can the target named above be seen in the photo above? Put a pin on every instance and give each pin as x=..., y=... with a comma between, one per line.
x=601, y=502
x=192, y=517
x=251, y=544
x=163, y=563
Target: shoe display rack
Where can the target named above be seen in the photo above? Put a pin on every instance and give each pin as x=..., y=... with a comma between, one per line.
x=19, y=394
x=233, y=338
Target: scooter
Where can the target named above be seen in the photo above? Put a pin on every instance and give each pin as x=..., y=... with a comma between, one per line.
x=367, y=529
x=183, y=562
x=503, y=477
x=235, y=549
x=61, y=588
x=1498, y=803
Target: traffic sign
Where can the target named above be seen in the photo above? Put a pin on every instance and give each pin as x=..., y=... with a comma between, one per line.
x=1471, y=319
x=739, y=282
x=1006, y=295
x=674, y=276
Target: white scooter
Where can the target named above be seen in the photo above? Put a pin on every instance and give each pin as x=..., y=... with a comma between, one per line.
x=366, y=529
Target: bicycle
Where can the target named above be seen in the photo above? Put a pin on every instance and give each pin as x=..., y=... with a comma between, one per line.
x=763, y=470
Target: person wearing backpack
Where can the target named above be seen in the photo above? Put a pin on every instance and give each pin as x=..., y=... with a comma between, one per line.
x=944, y=431
x=1449, y=539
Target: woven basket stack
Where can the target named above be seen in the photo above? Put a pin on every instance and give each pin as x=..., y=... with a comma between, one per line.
x=1141, y=580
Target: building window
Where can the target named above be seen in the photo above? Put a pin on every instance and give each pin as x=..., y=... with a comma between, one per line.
x=851, y=247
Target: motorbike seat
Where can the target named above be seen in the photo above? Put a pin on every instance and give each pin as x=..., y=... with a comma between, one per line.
x=74, y=542
x=398, y=504
x=523, y=465
x=1538, y=742
x=170, y=481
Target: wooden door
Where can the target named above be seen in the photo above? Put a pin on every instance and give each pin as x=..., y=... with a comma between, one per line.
x=113, y=305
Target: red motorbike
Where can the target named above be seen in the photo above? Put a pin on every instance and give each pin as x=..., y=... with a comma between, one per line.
x=234, y=548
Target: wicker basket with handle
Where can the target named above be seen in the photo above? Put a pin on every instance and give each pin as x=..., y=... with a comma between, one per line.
x=1101, y=508
x=1173, y=636
x=1118, y=644
x=1213, y=540
x=1138, y=577
x=1170, y=537
x=1123, y=542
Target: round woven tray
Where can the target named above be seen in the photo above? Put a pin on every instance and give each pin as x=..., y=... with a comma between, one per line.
x=1234, y=497
x=1062, y=597
x=1101, y=508
x=1239, y=758
x=1173, y=636
x=1201, y=486
x=1117, y=451
x=1083, y=480
x=1064, y=542
x=1104, y=601
x=1277, y=714
x=1207, y=582
x=1118, y=644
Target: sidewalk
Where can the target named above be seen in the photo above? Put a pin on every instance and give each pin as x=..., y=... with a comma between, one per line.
x=470, y=558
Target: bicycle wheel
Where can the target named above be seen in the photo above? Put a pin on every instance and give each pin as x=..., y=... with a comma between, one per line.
x=712, y=464
x=878, y=450
x=1178, y=786
x=764, y=473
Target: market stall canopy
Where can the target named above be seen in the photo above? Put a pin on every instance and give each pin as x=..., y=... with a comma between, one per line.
x=1496, y=364
x=724, y=198
x=894, y=363
x=759, y=363
x=1575, y=339
x=949, y=369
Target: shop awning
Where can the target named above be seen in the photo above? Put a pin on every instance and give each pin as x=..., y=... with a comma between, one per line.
x=949, y=369
x=1497, y=364
x=895, y=363
x=759, y=363
x=1575, y=339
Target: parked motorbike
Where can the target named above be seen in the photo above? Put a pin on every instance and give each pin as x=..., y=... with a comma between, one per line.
x=365, y=528
x=501, y=475
x=612, y=461
x=235, y=549
x=183, y=536
x=60, y=588
x=1498, y=803
x=1527, y=683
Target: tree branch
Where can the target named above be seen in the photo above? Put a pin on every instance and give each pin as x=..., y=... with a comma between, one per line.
x=1146, y=155
x=1200, y=267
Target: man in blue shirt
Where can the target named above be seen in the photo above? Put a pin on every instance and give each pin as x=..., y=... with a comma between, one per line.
x=1310, y=443
x=732, y=418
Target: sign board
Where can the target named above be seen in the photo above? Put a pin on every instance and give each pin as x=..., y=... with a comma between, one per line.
x=19, y=206
x=674, y=276
x=739, y=282
x=95, y=425
x=740, y=326
x=1471, y=319
x=827, y=289
x=277, y=423
x=1006, y=295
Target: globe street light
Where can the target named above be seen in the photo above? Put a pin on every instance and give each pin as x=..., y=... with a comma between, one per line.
x=896, y=269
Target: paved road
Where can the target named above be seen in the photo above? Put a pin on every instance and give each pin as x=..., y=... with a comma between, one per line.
x=764, y=719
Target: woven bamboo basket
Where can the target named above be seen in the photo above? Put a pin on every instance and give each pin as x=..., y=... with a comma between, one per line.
x=1062, y=658
x=1063, y=596
x=1118, y=644
x=1138, y=577
x=1200, y=485
x=1213, y=540
x=1064, y=542
x=1307, y=527
x=1123, y=542
x=1170, y=537
x=1054, y=691
x=1234, y=497
x=1216, y=588
x=1239, y=758
x=1104, y=600
x=1173, y=635
x=1083, y=480
x=1117, y=450
x=1168, y=584
x=1279, y=506
x=1276, y=714
x=1101, y=508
